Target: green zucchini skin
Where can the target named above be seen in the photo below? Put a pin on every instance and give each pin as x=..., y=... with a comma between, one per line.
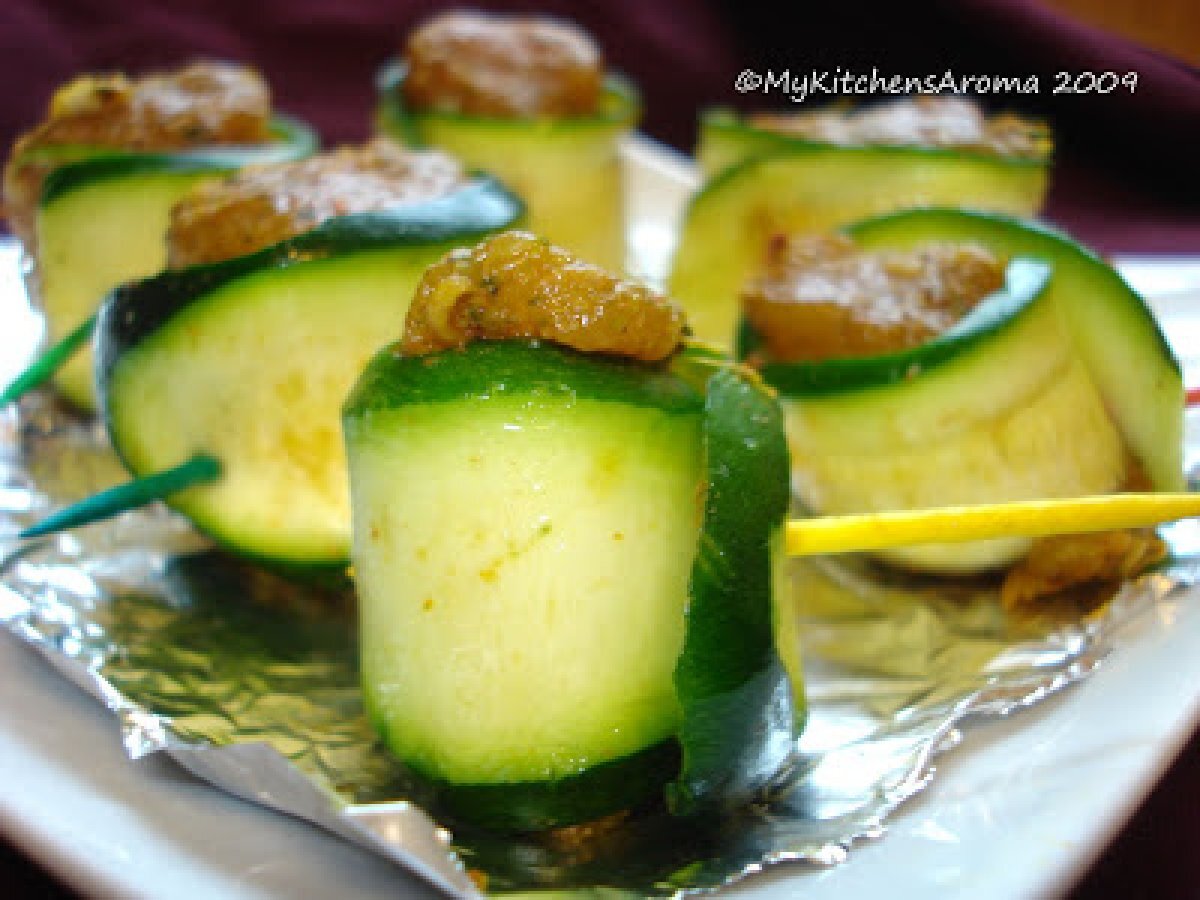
x=738, y=678
x=294, y=140
x=739, y=697
x=1025, y=281
x=620, y=105
x=497, y=369
x=603, y=789
x=567, y=170
x=157, y=319
x=726, y=140
x=819, y=188
x=133, y=311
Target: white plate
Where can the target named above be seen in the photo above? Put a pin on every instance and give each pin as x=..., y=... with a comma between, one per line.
x=1015, y=812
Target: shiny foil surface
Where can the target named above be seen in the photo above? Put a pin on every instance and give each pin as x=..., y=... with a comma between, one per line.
x=250, y=681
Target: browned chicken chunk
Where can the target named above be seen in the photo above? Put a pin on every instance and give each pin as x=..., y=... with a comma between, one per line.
x=262, y=205
x=1059, y=564
x=515, y=285
x=820, y=297
x=924, y=121
x=203, y=104
x=508, y=67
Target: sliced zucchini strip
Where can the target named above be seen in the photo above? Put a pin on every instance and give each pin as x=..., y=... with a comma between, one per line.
x=999, y=408
x=541, y=638
x=249, y=360
x=1113, y=330
x=726, y=139
x=1048, y=389
x=568, y=171
x=102, y=221
x=820, y=188
x=738, y=678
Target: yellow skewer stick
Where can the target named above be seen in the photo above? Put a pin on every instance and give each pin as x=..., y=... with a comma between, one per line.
x=955, y=524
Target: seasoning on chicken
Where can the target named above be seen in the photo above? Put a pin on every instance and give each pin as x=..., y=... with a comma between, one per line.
x=516, y=286
x=923, y=121
x=203, y=104
x=507, y=67
x=820, y=297
x=262, y=205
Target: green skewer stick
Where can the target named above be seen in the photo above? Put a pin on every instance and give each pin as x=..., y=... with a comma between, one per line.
x=805, y=537
x=124, y=497
x=42, y=369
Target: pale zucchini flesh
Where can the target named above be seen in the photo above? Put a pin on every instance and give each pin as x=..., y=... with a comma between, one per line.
x=523, y=567
x=1077, y=394
x=1113, y=331
x=569, y=179
x=275, y=428
x=726, y=139
x=1011, y=413
x=728, y=224
x=90, y=240
x=566, y=170
x=102, y=222
x=1057, y=442
x=925, y=402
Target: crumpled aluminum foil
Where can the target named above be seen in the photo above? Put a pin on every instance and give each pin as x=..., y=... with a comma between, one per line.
x=250, y=682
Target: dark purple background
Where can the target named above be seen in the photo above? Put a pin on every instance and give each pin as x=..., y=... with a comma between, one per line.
x=1126, y=178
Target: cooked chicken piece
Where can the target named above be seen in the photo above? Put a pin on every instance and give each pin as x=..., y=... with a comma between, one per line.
x=262, y=205
x=1058, y=564
x=479, y=64
x=820, y=297
x=203, y=104
x=515, y=285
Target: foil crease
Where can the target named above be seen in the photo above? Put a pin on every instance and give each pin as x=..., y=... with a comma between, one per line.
x=250, y=682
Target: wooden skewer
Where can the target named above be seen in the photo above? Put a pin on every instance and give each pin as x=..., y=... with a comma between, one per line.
x=955, y=524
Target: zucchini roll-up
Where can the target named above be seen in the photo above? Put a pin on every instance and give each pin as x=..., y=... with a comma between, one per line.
x=939, y=357
x=294, y=275
x=89, y=190
x=565, y=536
x=818, y=171
x=929, y=124
x=527, y=100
